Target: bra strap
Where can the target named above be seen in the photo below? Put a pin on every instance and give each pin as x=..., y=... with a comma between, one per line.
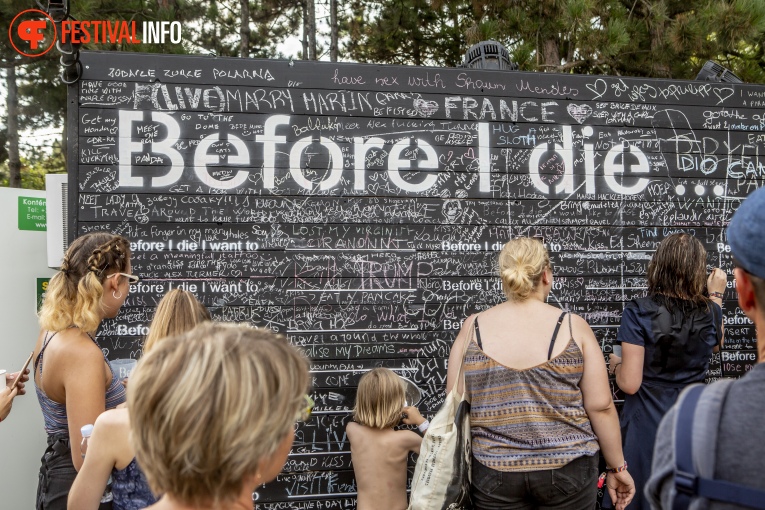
x=555, y=335
x=478, y=334
x=40, y=354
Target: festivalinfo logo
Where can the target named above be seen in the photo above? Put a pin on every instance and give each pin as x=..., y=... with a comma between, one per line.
x=33, y=33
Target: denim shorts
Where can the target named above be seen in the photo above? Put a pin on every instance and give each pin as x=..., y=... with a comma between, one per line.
x=571, y=487
x=57, y=475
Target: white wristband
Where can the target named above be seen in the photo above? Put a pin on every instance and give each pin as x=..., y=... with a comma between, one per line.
x=422, y=427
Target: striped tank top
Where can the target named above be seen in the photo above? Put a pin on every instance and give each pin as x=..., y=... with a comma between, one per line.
x=531, y=419
x=54, y=414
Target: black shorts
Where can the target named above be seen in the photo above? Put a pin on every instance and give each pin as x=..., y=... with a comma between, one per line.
x=571, y=487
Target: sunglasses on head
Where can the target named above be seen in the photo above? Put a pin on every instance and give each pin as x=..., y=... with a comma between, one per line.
x=541, y=239
x=132, y=279
x=304, y=413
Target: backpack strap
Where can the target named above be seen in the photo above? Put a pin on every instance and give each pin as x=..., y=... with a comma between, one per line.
x=697, y=423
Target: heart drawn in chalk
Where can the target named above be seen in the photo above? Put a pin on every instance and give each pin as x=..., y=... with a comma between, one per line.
x=424, y=107
x=580, y=112
x=722, y=93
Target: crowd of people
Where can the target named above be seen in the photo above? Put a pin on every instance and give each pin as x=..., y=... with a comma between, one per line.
x=209, y=413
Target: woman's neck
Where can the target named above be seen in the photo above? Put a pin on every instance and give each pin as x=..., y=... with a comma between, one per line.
x=538, y=295
x=167, y=502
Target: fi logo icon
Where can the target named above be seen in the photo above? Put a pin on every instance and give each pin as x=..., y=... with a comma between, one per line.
x=32, y=33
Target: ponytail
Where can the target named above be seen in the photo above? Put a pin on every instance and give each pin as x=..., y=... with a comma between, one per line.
x=74, y=293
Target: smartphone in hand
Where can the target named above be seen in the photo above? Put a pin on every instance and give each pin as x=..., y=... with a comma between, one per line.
x=23, y=369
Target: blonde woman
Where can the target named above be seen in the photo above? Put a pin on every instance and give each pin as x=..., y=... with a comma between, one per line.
x=541, y=405
x=109, y=450
x=378, y=451
x=73, y=380
x=213, y=414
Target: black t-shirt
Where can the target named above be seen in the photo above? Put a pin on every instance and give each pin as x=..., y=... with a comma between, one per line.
x=678, y=345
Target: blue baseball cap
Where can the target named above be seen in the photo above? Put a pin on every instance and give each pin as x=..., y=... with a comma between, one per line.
x=746, y=234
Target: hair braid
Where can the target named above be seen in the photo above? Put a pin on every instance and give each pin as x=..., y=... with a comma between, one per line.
x=74, y=294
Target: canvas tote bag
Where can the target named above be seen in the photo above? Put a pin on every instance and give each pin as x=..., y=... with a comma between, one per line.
x=441, y=478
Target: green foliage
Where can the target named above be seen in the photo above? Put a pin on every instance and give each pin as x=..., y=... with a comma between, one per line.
x=35, y=167
x=271, y=22
x=418, y=32
x=653, y=38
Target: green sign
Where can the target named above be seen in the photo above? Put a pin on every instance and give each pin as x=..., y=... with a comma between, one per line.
x=42, y=287
x=32, y=213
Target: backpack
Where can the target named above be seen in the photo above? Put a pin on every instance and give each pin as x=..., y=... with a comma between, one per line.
x=697, y=422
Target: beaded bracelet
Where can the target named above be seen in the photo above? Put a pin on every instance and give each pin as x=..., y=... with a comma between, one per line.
x=716, y=295
x=619, y=469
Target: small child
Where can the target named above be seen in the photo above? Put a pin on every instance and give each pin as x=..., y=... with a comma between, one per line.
x=378, y=451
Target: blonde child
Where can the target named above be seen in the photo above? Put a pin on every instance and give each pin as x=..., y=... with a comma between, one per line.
x=378, y=451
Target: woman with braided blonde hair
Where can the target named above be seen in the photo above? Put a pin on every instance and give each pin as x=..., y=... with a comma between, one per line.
x=73, y=379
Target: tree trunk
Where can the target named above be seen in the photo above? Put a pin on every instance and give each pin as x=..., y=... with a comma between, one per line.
x=311, y=6
x=304, y=4
x=550, y=54
x=244, y=29
x=660, y=69
x=333, y=30
x=14, y=161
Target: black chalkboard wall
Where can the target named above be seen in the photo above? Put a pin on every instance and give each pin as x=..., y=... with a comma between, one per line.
x=359, y=208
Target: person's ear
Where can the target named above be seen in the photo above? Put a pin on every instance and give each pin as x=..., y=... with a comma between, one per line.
x=111, y=284
x=253, y=480
x=745, y=291
x=547, y=276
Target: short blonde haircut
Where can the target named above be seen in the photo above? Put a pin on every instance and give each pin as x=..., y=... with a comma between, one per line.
x=521, y=264
x=379, y=399
x=74, y=293
x=207, y=407
x=177, y=312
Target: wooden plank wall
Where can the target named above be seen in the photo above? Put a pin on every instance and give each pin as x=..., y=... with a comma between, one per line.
x=359, y=208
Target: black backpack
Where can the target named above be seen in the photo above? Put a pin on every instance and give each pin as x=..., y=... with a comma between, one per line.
x=696, y=428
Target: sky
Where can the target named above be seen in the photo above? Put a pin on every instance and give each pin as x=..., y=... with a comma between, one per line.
x=46, y=136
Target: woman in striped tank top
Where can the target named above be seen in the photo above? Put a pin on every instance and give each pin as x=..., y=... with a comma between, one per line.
x=73, y=379
x=541, y=405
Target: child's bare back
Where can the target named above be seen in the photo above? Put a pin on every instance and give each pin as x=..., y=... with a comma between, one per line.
x=378, y=451
x=379, y=462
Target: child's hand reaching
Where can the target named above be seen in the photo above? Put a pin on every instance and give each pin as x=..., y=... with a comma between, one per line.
x=412, y=416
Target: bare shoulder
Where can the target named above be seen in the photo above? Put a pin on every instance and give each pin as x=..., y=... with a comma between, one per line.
x=407, y=435
x=578, y=323
x=80, y=346
x=408, y=439
x=113, y=421
x=353, y=429
x=579, y=326
x=582, y=332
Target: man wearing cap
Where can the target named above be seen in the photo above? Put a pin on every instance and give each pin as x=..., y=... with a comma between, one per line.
x=740, y=448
